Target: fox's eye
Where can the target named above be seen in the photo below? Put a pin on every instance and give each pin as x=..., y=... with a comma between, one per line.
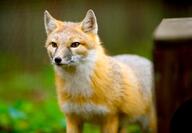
x=75, y=44
x=53, y=44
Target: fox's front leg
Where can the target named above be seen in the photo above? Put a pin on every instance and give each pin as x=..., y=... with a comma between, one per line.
x=74, y=124
x=110, y=124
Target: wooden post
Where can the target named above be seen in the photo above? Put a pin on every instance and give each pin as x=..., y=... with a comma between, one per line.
x=173, y=72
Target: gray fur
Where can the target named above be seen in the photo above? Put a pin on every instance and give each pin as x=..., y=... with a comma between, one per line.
x=85, y=109
x=143, y=69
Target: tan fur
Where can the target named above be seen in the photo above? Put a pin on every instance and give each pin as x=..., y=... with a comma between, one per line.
x=115, y=93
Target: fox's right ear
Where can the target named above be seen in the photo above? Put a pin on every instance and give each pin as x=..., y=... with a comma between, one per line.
x=89, y=23
x=50, y=22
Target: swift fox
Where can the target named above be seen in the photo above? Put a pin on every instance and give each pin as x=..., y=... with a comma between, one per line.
x=94, y=87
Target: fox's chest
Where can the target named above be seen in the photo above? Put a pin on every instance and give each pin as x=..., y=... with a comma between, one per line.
x=79, y=86
x=78, y=83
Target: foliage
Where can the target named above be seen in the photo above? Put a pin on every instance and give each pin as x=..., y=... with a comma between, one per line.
x=24, y=116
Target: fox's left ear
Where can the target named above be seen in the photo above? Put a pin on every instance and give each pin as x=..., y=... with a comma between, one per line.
x=50, y=22
x=89, y=23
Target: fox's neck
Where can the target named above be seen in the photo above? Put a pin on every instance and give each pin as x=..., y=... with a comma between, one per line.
x=79, y=80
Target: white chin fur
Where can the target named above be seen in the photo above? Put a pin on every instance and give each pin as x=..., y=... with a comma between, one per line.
x=79, y=83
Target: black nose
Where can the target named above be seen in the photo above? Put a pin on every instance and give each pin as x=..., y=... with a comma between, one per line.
x=58, y=60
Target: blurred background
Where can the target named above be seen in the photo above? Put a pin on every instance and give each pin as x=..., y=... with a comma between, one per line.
x=27, y=94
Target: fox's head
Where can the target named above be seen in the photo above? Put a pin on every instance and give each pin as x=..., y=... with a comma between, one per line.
x=68, y=43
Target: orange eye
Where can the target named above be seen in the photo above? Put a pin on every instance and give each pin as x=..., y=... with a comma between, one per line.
x=53, y=44
x=75, y=44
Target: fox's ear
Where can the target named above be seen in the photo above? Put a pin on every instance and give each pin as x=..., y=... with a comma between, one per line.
x=50, y=22
x=89, y=23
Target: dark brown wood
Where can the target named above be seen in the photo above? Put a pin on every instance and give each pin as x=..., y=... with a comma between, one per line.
x=173, y=68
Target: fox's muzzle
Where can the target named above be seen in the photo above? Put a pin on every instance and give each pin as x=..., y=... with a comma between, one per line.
x=62, y=56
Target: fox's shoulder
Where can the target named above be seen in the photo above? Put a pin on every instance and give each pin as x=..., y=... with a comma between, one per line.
x=134, y=61
x=142, y=67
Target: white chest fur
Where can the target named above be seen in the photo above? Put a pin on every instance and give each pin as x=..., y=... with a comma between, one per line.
x=85, y=109
x=79, y=83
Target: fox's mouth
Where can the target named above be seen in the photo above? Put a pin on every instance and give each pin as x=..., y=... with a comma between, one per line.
x=73, y=61
x=66, y=63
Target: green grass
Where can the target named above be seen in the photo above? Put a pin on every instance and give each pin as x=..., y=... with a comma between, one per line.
x=24, y=116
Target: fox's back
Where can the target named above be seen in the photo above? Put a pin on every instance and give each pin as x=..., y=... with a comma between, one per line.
x=142, y=68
